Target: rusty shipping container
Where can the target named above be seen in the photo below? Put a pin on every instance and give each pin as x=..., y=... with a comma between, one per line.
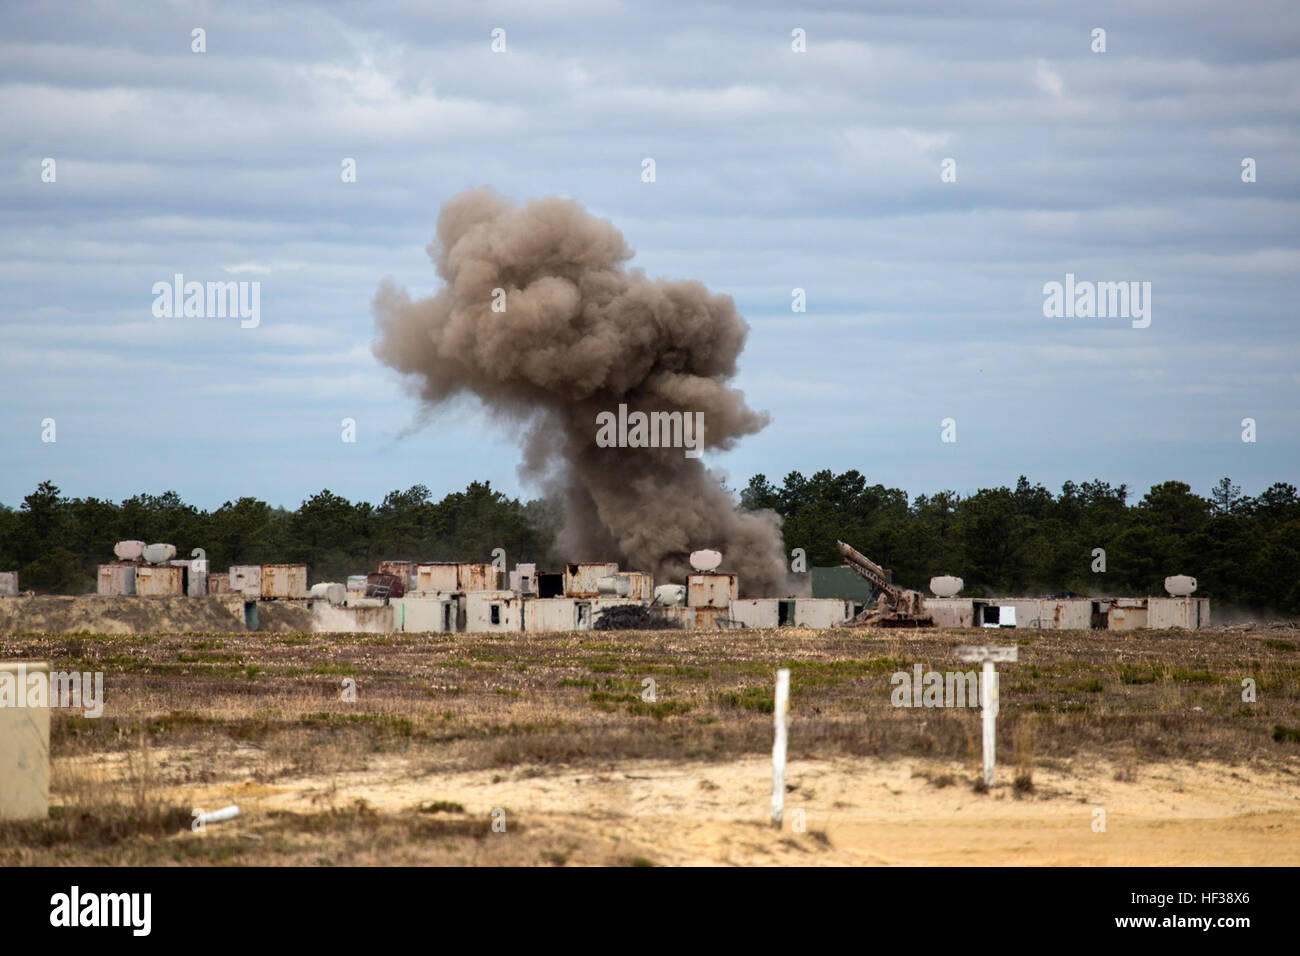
x=116, y=579
x=405, y=570
x=712, y=590
x=159, y=580
x=475, y=576
x=220, y=584
x=439, y=576
x=8, y=583
x=580, y=578
x=447, y=576
x=283, y=581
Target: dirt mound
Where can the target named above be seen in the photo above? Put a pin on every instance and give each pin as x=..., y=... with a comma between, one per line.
x=102, y=614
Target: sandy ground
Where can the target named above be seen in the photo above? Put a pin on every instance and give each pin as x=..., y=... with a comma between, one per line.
x=855, y=811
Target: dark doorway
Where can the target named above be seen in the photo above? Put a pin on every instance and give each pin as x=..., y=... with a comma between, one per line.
x=785, y=613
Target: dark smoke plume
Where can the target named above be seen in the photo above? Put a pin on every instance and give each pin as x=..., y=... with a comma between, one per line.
x=581, y=334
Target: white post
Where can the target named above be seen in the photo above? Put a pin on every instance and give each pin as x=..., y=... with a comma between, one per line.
x=778, y=746
x=989, y=696
x=990, y=700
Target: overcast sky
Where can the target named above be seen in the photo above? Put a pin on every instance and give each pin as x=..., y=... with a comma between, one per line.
x=774, y=170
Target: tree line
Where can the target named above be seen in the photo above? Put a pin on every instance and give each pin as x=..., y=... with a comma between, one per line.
x=1087, y=539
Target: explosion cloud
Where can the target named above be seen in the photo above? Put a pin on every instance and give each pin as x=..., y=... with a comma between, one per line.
x=579, y=335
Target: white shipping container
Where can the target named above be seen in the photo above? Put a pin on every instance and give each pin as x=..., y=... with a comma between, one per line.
x=246, y=579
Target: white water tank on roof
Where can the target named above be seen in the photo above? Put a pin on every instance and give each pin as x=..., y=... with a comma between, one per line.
x=1180, y=585
x=706, y=560
x=613, y=585
x=670, y=595
x=946, y=586
x=128, y=550
x=159, y=553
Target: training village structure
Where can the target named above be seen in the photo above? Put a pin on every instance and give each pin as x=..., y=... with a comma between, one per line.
x=456, y=597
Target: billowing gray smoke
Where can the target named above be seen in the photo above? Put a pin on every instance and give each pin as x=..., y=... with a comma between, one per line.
x=581, y=334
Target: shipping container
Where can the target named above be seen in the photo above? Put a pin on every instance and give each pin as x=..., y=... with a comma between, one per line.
x=1127, y=614
x=159, y=580
x=246, y=579
x=116, y=579
x=1183, y=612
x=493, y=611
x=281, y=581
x=524, y=579
x=8, y=583
x=711, y=590
x=401, y=569
x=951, y=612
x=220, y=584
x=821, y=612
x=641, y=586
x=421, y=615
x=551, y=614
x=714, y=618
x=456, y=576
x=756, y=612
x=580, y=578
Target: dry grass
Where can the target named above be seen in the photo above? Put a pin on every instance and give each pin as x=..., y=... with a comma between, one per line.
x=207, y=710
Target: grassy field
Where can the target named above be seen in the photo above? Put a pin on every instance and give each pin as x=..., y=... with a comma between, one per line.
x=554, y=732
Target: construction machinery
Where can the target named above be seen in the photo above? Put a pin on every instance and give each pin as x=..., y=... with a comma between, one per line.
x=895, y=606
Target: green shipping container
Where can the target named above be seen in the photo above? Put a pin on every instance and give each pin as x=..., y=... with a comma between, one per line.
x=842, y=583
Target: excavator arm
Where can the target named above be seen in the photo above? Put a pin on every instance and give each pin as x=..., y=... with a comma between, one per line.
x=895, y=606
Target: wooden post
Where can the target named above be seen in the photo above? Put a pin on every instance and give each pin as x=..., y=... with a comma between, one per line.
x=989, y=698
x=778, y=746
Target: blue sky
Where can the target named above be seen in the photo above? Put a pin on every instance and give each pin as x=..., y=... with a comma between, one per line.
x=775, y=170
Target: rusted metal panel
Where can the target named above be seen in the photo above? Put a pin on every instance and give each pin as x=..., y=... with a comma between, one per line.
x=1182, y=612
x=401, y=569
x=642, y=586
x=711, y=590
x=683, y=617
x=714, y=618
x=159, y=580
x=476, y=577
x=580, y=577
x=220, y=584
x=1127, y=614
x=283, y=581
x=116, y=579
x=380, y=585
